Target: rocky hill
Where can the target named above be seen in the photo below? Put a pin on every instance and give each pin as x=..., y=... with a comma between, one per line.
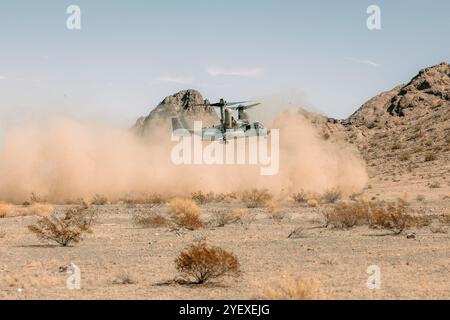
x=405, y=132
x=187, y=102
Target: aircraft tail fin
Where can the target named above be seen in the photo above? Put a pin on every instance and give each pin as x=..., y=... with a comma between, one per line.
x=180, y=123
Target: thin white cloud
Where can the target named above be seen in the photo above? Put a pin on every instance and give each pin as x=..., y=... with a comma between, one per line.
x=177, y=79
x=3, y=78
x=244, y=72
x=366, y=62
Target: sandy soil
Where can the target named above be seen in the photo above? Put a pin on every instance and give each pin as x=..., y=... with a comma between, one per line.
x=416, y=268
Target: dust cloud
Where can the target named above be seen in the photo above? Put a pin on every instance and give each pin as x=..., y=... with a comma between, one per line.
x=65, y=160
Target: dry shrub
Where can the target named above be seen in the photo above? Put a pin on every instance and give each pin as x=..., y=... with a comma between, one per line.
x=35, y=198
x=288, y=288
x=6, y=210
x=185, y=213
x=256, y=198
x=243, y=215
x=300, y=197
x=147, y=218
x=99, y=200
x=124, y=277
x=430, y=157
x=420, y=198
x=199, y=263
x=445, y=218
x=391, y=216
x=331, y=196
x=275, y=212
x=36, y=209
x=39, y=209
x=67, y=229
x=153, y=199
x=405, y=156
x=202, y=198
x=312, y=203
x=346, y=215
x=435, y=185
x=221, y=218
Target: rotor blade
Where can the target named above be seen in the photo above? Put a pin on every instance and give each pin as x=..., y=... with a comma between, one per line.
x=245, y=107
x=233, y=103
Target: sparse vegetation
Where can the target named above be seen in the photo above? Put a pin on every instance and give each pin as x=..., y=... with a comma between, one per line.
x=67, y=229
x=124, y=277
x=221, y=218
x=346, y=215
x=430, y=157
x=185, y=214
x=99, y=200
x=148, y=218
x=435, y=185
x=420, y=198
x=256, y=198
x=300, y=197
x=202, y=198
x=6, y=210
x=201, y=263
x=288, y=288
x=39, y=209
x=392, y=216
x=275, y=212
x=312, y=203
x=331, y=196
x=405, y=156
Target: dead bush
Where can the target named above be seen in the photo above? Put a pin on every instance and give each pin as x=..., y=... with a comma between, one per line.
x=221, y=218
x=405, y=156
x=420, y=198
x=256, y=198
x=200, y=263
x=202, y=198
x=154, y=198
x=6, y=210
x=300, y=197
x=148, y=218
x=66, y=229
x=99, y=200
x=435, y=185
x=185, y=213
x=393, y=217
x=288, y=288
x=331, y=196
x=275, y=212
x=124, y=277
x=430, y=157
x=346, y=215
x=35, y=209
x=312, y=203
x=38, y=209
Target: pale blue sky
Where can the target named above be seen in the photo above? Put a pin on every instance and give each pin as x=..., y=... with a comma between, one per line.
x=131, y=54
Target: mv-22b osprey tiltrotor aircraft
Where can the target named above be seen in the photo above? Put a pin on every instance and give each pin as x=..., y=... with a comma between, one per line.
x=229, y=127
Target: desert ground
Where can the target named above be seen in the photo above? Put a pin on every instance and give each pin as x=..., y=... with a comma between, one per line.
x=122, y=260
x=401, y=137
